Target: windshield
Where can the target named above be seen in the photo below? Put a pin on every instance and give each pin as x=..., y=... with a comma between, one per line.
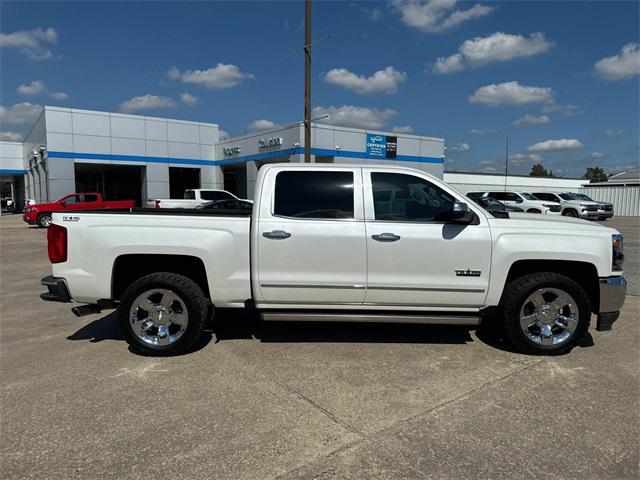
x=567, y=196
x=582, y=196
x=528, y=196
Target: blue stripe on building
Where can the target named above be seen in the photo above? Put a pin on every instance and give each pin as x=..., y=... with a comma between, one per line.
x=9, y=171
x=243, y=159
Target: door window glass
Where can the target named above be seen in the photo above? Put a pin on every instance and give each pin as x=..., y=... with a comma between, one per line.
x=90, y=198
x=314, y=194
x=407, y=198
x=70, y=200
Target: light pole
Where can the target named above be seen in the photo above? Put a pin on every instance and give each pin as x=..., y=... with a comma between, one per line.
x=307, y=81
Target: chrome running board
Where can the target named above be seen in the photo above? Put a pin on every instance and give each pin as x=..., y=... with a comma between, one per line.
x=427, y=319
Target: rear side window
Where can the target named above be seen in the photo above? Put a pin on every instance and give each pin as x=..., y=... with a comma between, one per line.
x=314, y=194
x=189, y=195
x=90, y=198
x=215, y=195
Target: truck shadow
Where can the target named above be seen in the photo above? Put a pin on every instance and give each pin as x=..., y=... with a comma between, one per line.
x=231, y=326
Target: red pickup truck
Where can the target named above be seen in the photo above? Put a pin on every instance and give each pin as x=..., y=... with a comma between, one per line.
x=40, y=213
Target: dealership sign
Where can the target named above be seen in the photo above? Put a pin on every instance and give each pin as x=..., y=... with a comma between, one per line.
x=381, y=146
x=270, y=142
x=231, y=150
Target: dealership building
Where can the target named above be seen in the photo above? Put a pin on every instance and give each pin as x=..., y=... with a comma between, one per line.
x=138, y=157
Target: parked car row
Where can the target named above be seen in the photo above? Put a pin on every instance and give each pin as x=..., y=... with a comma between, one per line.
x=577, y=205
x=193, y=198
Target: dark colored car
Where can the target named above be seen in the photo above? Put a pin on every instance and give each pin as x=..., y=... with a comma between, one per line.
x=230, y=204
x=493, y=206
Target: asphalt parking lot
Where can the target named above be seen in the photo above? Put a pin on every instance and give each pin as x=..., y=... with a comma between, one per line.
x=298, y=401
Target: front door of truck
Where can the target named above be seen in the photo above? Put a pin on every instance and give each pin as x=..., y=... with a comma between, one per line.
x=415, y=257
x=311, y=247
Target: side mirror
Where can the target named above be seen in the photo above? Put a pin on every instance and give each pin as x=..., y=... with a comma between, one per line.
x=461, y=213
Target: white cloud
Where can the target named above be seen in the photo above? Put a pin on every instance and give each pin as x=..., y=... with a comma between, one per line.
x=451, y=64
x=437, y=15
x=567, y=110
x=261, y=125
x=10, y=137
x=608, y=132
x=482, y=131
x=402, y=129
x=374, y=14
x=460, y=147
x=34, y=88
x=532, y=120
x=146, y=102
x=497, y=47
x=484, y=163
x=597, y=155
x=556, y=145
x=489, y=170
x=510, y=93
x=37, y=87
x=624, y=65
x=385, y=81
x=216, y=78
x=357, y=117
x=223, y=135
x=188, y=99
x=24, y=112
x=519, y=158
x=31, y=42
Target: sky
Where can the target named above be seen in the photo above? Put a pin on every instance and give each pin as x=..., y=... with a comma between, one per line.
x=559, y=79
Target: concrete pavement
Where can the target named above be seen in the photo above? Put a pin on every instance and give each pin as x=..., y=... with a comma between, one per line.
x=277, y=400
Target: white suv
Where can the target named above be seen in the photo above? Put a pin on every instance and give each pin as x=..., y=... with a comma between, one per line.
x=572, y=206
x=525, y=201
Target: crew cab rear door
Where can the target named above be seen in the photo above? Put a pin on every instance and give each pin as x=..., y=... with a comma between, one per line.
x=415, y=256
x=311, y=247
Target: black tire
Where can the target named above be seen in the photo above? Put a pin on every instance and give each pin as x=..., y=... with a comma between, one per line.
x=43, y=220
x=570, y=213
x=519, y=289
x=198, y=307
x=533, y=210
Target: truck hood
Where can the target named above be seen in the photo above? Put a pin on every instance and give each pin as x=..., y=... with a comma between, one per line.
x=549, y=222
x=44, y=206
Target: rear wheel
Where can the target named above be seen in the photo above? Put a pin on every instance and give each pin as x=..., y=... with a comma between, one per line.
x=545, y=313
x=570, y=213
x=44, y=220
x=163, y=314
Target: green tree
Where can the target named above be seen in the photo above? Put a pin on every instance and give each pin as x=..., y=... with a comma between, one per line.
x=538, y=170
x=595, y=174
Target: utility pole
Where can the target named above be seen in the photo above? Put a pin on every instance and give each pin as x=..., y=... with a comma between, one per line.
x=506, y=165
x=307, y=81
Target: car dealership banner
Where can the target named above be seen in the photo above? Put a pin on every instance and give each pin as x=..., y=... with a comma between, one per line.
x=381, y=146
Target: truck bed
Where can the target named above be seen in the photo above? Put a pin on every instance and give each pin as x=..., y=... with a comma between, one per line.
x=98, y=239
x=209, y=212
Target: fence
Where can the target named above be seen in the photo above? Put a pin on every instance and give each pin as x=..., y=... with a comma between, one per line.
x=625, y=199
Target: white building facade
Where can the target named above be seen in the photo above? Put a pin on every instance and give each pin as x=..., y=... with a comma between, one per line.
x=138, y=157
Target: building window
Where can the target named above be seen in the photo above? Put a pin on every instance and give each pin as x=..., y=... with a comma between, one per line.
x=181, y=179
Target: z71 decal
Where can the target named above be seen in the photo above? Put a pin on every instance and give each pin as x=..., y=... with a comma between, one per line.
x=65, y=218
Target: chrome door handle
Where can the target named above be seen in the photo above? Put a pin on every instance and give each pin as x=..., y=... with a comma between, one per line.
x=386, y=237
x=276, y=235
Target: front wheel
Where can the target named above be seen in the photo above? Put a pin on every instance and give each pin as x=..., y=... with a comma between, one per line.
x=163, y=314
x=545, y=313
x=570, y=213
x=44, y=220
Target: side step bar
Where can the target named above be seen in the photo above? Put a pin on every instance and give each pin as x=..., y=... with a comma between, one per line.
x=428, y=319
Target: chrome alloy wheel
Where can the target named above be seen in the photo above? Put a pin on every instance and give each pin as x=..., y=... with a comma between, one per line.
x=46, y=220
x=158, y=317
x=549, y=316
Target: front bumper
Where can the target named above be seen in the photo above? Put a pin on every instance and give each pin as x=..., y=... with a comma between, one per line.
x=57, y=289
x=29, y=219
x=613, y=291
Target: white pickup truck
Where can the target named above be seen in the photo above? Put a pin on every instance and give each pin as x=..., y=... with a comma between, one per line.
x=193, y=197
x=339, y=243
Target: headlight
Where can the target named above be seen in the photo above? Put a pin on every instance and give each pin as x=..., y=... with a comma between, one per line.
x=618, y=253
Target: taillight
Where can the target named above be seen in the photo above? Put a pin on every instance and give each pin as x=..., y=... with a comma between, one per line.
x=157, y=203
x=57, y=243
